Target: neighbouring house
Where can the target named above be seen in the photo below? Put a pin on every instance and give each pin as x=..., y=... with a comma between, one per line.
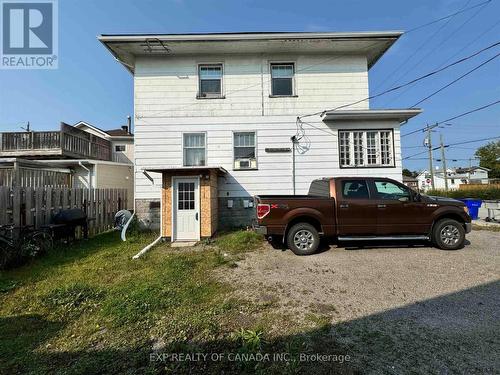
x=455, y=177
x=79, y=156
x=411, y=182
x=216, y=120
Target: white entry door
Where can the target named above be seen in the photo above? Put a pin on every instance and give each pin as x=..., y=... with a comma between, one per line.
x=186, y=209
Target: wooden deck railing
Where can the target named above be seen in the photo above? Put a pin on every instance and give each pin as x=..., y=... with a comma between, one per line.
x=68, y=142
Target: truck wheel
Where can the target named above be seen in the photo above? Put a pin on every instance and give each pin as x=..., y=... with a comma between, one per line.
x=448, y=234
x=303, y=239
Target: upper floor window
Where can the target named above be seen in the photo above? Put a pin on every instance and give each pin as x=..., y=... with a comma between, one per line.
x=210, y=84
x=120, y=148
x=244, y=150
x=282, y=79
x=366, y=148
x=194, y=149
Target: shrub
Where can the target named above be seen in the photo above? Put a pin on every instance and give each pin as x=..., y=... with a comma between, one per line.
x=483, y=194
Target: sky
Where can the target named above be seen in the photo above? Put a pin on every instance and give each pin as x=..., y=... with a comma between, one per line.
x=90, y=85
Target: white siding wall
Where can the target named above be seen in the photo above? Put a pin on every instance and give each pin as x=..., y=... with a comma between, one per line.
x=166, y=106
x=159, y=143
x=168, y=86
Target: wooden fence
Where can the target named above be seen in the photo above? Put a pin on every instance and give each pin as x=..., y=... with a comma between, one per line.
x=36, y=206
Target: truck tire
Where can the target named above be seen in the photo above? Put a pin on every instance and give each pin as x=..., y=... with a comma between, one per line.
x=448, y=234
x=303, y=239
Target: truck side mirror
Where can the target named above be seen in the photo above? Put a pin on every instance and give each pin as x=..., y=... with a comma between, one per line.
x=417, y=197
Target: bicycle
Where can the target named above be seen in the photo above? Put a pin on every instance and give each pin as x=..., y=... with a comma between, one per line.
x=29, y=243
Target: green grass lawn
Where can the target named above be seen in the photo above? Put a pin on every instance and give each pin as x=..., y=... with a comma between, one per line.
x=88, y=308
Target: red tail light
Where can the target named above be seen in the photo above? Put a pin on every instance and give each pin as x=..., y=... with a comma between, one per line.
x=262, y=210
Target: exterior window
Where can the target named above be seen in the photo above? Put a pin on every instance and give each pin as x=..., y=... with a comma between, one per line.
x=244, y=150
x=355, y=189
x=194, y=149
x=120, y=148
x=390, y=191
x=372, y=148
x=345, y=151
x=210, y=84
x=358, y=148
x=282, y=79
x=385, y=147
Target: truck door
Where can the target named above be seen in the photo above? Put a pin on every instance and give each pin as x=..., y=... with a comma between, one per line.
x=356, y=211
x=397, y=213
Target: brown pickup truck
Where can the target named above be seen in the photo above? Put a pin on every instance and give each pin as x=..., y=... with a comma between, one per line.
x=360, y=209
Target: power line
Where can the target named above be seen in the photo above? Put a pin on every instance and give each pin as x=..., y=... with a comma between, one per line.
x=454, y=117
x=476, y=140
x=445, y=17
x=453, y=144
x=407, y=83
x=415, y=51
x=428, y=53
x=455, y=80
x=472, y=41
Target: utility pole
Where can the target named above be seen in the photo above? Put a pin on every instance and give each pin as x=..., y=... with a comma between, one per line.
x=429, y=145
x=443, y=159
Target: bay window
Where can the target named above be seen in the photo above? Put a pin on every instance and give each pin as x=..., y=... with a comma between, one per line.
x=365, y=148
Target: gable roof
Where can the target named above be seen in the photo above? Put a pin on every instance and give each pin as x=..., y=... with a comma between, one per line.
x=81, y=124
x=125, y=47
x=105, y=133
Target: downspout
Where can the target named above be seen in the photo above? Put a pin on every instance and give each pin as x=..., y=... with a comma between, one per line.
x=155, y=242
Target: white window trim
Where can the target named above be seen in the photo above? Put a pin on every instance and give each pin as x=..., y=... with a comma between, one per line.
x=205, y=147
x=255, y=146
x=205, y=63
x=121, y=145
x=378, y=143
x=294, y=82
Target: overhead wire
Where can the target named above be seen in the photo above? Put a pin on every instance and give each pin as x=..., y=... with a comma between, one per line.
x=426, y=55
x=454, y=117
x=455, y=80
x=415, y=52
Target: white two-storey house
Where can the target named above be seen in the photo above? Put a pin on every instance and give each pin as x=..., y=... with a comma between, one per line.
x=216, y=120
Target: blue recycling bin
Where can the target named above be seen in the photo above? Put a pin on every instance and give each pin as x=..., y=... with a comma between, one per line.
x=473, y=206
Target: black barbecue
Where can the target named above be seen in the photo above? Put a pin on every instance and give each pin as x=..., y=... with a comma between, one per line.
x=65, y=222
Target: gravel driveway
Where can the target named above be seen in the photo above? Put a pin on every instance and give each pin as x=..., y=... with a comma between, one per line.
x=393, y=309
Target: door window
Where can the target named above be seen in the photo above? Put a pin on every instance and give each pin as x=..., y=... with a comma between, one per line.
x=185, y=196
x=390, y=191
x=355, y=189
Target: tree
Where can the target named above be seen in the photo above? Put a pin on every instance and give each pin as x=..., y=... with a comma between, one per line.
x=408, y=173
x=489, y=157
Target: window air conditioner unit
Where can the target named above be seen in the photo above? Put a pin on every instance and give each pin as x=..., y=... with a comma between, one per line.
x=245, y=164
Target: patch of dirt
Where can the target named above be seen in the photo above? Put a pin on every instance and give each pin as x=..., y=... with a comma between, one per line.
x=395, y=309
